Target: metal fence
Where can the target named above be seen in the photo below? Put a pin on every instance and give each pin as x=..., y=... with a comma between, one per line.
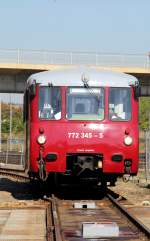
x=12, y=153
x=21, y=56
x=147, y=166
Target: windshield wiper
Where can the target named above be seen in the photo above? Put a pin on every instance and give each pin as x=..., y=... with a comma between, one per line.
x=90, y=90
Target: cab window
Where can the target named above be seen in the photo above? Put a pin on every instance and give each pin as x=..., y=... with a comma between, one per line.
x=85, y=104
x=120, y=104
x=49, y=103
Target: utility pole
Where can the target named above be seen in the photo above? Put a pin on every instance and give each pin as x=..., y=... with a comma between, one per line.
x=0, y=127
x=10, y=126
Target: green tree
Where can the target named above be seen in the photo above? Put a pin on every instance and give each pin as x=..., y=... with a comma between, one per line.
x=5, y=117
x=17, y=118
x=144, y=112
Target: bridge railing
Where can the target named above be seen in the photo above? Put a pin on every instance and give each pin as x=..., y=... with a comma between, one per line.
x=21, y=56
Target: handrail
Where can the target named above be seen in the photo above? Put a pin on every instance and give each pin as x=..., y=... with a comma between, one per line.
x=46, y=57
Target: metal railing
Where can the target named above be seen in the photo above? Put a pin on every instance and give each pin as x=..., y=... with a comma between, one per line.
x=147, y=166
x=12, y=152
x=21, y=56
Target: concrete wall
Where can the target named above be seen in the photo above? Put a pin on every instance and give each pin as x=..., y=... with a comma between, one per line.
x=13, y=81
x=13, y=77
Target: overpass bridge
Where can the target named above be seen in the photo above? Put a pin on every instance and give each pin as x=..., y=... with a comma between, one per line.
x=16, y=65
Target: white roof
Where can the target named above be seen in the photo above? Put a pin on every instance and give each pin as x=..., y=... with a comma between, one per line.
x=76, y=77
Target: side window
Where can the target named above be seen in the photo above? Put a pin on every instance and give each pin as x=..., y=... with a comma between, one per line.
x=120, y=104
x=49, y=103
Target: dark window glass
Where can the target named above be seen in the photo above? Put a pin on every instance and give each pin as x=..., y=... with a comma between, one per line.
x=85, y=104
x=49, y=103
x=120, y=104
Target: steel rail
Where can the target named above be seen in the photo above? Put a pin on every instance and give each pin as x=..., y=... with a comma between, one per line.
x=56, y=222
x=130, y=216
x=58, y=233
x=53, y=225
x=14, y=174
x=49, y=223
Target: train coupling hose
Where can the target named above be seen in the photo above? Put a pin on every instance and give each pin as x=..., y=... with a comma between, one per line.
x=42, y=167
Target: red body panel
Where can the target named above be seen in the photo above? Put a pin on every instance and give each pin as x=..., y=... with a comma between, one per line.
x=67, y=136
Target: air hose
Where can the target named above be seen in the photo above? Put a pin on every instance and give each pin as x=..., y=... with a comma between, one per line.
x=42, y=169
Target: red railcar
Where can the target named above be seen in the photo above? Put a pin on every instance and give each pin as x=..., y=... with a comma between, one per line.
x=82, y=123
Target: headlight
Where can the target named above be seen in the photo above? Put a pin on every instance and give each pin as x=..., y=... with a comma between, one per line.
x=128, y=140
x=41, y=139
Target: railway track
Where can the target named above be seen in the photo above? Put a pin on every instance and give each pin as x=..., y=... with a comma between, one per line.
x=17, y=175
x=77, y=220
x=104, y=219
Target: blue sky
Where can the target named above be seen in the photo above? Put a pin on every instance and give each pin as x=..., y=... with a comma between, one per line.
x=112, y=26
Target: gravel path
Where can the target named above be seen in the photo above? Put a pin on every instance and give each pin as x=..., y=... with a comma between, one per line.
x=136, y=193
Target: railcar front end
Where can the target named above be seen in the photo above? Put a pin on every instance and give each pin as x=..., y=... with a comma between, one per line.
x=82, y=129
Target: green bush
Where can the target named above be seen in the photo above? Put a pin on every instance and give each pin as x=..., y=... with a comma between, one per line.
x=144, y=112
x=17, y=118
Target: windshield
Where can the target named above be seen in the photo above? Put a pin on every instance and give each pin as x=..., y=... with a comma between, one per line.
x=120, y=104
x=49, y=103
x=85, y=104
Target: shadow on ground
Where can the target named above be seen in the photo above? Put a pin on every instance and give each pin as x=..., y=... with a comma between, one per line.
x=36, y=190
x=20, y=190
